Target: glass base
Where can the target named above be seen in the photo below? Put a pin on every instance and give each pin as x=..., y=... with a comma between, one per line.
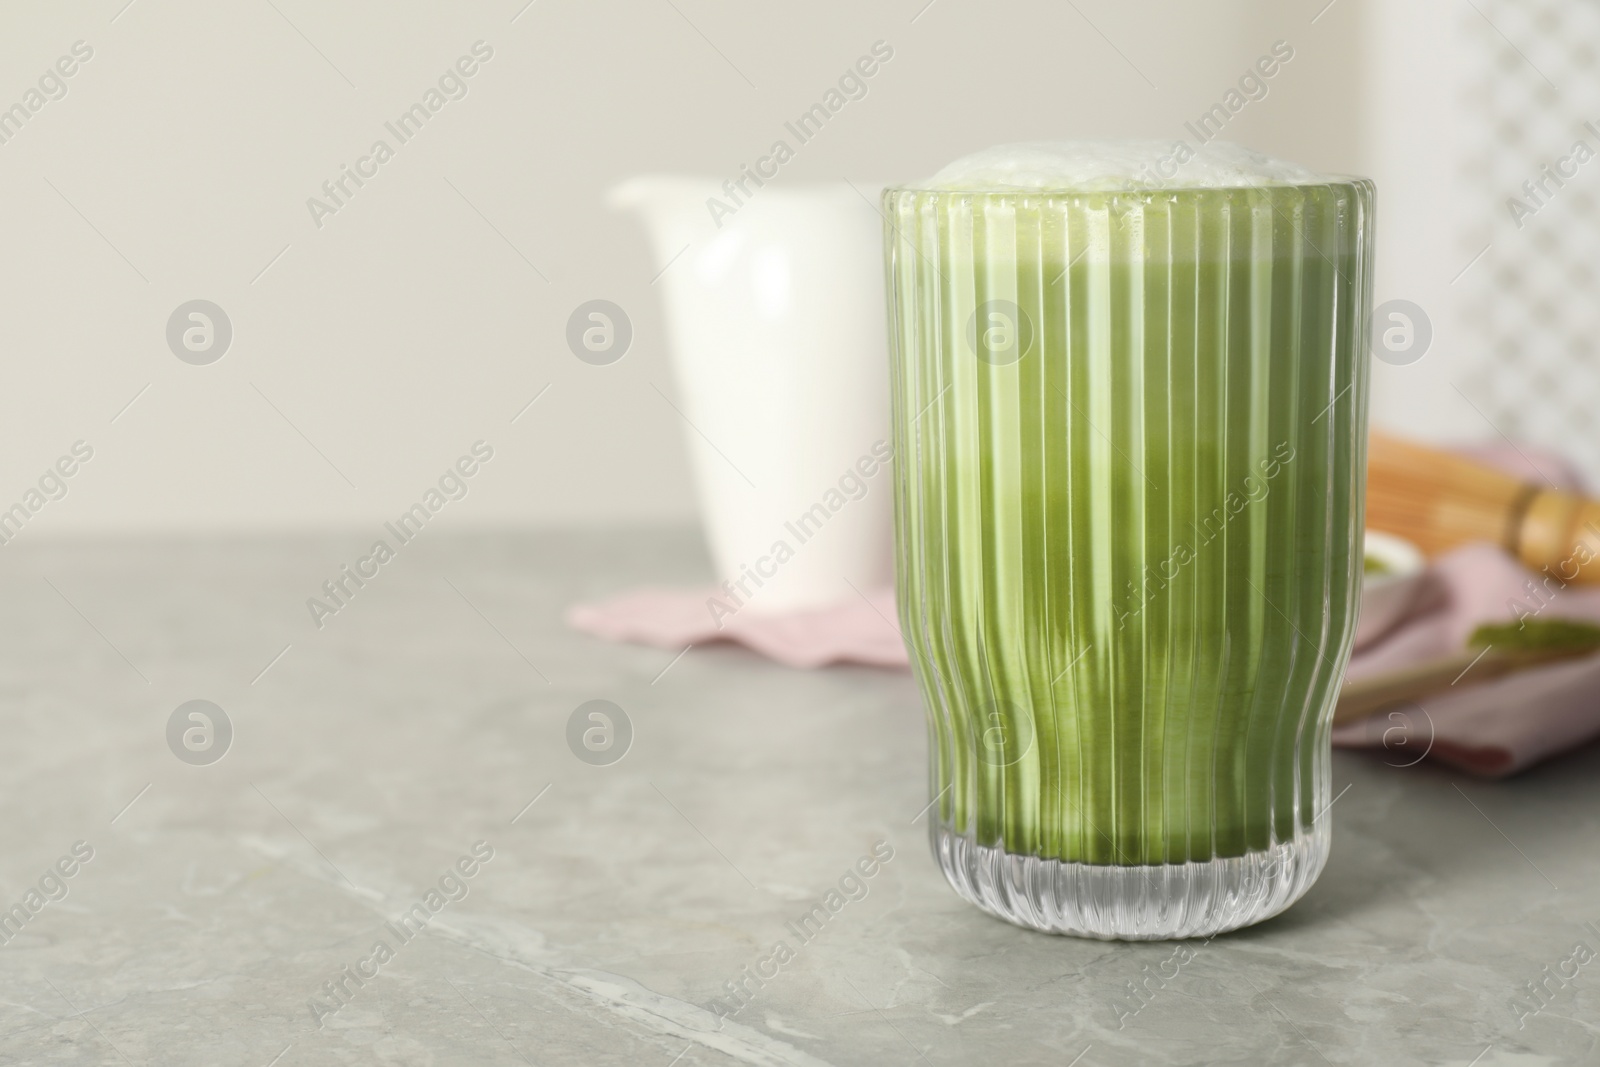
x=1149, y=903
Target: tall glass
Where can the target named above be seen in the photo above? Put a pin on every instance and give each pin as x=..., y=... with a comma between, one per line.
x=1130, y=432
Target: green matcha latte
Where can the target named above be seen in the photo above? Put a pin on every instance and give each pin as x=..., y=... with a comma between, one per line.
x=1129, y=436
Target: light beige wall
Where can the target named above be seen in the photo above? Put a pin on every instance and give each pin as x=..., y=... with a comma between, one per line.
x=415, y=320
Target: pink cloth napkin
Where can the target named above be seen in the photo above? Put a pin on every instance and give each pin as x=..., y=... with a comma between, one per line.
x=1495, y=728
x=859, y=630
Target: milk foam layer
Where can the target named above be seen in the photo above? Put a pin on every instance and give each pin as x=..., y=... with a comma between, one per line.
x=1103, y=165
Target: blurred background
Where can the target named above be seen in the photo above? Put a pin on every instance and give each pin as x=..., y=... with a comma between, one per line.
x=175, y=491
x=371, y=346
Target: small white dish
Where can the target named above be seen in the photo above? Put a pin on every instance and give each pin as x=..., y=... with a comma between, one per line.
x=1388, y=592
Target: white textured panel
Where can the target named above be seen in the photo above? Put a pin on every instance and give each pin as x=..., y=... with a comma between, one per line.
x=1530, y=303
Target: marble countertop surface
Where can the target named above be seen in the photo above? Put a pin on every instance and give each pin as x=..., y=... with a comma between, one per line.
x=586, y=912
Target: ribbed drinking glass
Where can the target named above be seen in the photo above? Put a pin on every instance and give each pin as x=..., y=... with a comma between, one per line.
x=1130, y=436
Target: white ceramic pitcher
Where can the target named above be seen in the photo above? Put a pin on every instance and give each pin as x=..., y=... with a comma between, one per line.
x=775, y=316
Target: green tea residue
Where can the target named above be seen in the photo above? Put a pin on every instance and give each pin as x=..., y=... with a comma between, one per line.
x=1537, y=634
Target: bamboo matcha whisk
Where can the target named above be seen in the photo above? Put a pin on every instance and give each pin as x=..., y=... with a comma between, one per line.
x=1438, y=501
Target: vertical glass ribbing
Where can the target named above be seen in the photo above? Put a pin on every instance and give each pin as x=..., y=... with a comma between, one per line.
x=1129, y=433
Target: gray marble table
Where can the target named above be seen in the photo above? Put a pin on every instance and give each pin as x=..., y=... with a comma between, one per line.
x=369, y=757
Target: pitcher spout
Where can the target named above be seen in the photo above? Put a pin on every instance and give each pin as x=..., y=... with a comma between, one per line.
x=672, y=207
